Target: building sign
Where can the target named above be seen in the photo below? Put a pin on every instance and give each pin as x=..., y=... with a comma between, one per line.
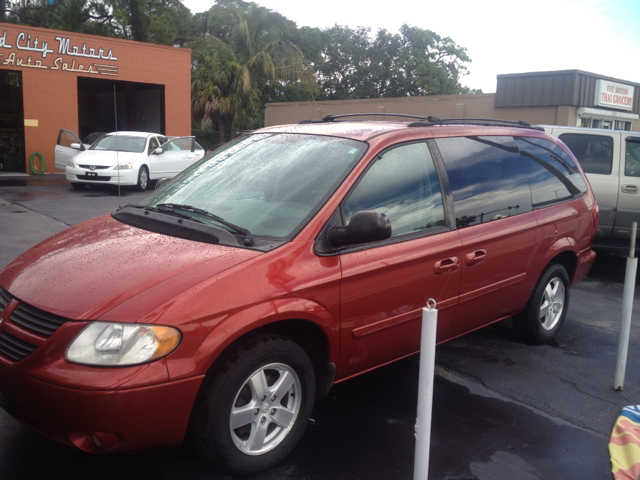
x=27, y=51
x=614, y=95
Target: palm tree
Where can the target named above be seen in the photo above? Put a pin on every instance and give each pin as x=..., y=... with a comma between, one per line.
x=231, y=79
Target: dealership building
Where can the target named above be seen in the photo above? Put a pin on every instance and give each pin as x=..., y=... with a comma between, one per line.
x=567, y=97
x=52, y=80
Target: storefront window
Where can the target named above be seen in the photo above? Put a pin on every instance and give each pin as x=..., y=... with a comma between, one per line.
x=603, y=123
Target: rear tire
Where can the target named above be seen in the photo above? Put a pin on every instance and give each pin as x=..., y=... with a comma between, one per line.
x=547, y=308
x=253, y=409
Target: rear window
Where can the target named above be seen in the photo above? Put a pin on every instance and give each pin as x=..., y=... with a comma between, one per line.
x=497, y=177
x=553, y=175
x=594, y=152
x=489, y=178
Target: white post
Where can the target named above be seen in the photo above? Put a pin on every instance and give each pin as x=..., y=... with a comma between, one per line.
x=627, y=308
x=425, y=390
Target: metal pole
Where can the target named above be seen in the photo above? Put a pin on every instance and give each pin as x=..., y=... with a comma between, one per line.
x=627, y=308
x=425, y=390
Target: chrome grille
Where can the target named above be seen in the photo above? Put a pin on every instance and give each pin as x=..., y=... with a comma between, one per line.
x=93, y=167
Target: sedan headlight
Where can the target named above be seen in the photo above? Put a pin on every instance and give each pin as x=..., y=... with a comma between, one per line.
x=123, y=166
x=71, y=162
x=120, y=344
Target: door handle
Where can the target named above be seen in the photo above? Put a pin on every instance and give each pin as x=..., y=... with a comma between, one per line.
x=629, y=188
x=447, y=265
x=474, y=258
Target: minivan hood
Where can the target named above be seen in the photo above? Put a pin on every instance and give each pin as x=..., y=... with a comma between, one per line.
x=86, y=270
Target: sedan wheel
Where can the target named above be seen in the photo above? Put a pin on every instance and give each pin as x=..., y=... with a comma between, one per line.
x=143, y=179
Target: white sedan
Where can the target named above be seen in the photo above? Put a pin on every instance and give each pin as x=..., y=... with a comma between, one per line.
x=126, y=158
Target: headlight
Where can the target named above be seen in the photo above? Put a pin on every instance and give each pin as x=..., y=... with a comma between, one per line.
x=71, y=162
x=119, y=344
x=123, y=166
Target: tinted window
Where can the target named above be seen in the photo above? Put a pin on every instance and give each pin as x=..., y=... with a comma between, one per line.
x=632, y=157
x=552, y=174
x=488, y=178
x=404, y=186
x=594, y=152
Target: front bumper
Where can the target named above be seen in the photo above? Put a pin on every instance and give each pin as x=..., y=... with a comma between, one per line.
x=111, y=421
x=107, y=176
x=97, y=409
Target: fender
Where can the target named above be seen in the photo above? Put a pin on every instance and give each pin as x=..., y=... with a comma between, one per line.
x=227, y=328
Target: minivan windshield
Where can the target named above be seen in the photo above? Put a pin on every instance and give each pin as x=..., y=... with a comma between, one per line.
x=270, y=184
x=120, y=143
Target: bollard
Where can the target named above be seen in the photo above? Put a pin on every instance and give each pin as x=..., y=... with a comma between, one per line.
x=425, y=390
x=627, y=308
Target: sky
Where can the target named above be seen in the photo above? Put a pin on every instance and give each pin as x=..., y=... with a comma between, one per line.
x=501, y=36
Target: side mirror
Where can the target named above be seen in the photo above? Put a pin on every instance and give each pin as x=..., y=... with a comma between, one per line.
x=161, y=183
x=77, y=146
x=365, y=226
x=157, y=151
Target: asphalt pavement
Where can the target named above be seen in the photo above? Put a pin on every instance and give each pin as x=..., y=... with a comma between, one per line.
x=502, y=409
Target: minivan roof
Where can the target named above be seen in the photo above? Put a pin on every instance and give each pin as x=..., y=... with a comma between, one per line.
x=365, y=130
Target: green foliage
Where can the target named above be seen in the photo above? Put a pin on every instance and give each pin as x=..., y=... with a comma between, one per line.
x=412, y=62
x=207, y=138
x=166, y=22
x=247, y=62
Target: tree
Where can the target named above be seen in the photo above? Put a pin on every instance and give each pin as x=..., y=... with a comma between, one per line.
x=166, y=22
x=82, y=16
x=413, y=62
x=234, y=75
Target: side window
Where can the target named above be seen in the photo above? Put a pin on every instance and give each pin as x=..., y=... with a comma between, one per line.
x=552, y=174
x=179, y=145
x=66, y=138
x=153, y=144
x=403, y=185
x=488, y=178
x=594, y=152
x=632, y=157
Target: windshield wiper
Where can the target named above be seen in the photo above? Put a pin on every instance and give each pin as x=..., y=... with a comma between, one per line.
x=167, y=211
x=248, y=241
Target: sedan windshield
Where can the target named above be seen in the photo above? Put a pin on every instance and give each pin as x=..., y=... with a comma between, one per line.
x=269, y=184
x=120, y=143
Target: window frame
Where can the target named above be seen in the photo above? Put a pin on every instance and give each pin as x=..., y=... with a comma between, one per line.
x=338, y=218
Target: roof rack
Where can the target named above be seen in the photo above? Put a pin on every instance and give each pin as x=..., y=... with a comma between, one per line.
x=486, y=122
x=431, y=120
x=331, y=118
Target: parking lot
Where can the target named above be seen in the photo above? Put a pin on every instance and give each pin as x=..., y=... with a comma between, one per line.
x=502, y=409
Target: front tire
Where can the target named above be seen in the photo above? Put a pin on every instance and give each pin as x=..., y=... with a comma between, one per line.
x=143, y=179
x=253, y=409
x=547, y=308
x=78, y=186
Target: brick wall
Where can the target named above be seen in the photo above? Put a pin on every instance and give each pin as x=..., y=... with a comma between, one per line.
x=50, y=91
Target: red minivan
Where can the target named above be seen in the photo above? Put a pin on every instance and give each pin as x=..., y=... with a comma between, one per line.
x=226, y=303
